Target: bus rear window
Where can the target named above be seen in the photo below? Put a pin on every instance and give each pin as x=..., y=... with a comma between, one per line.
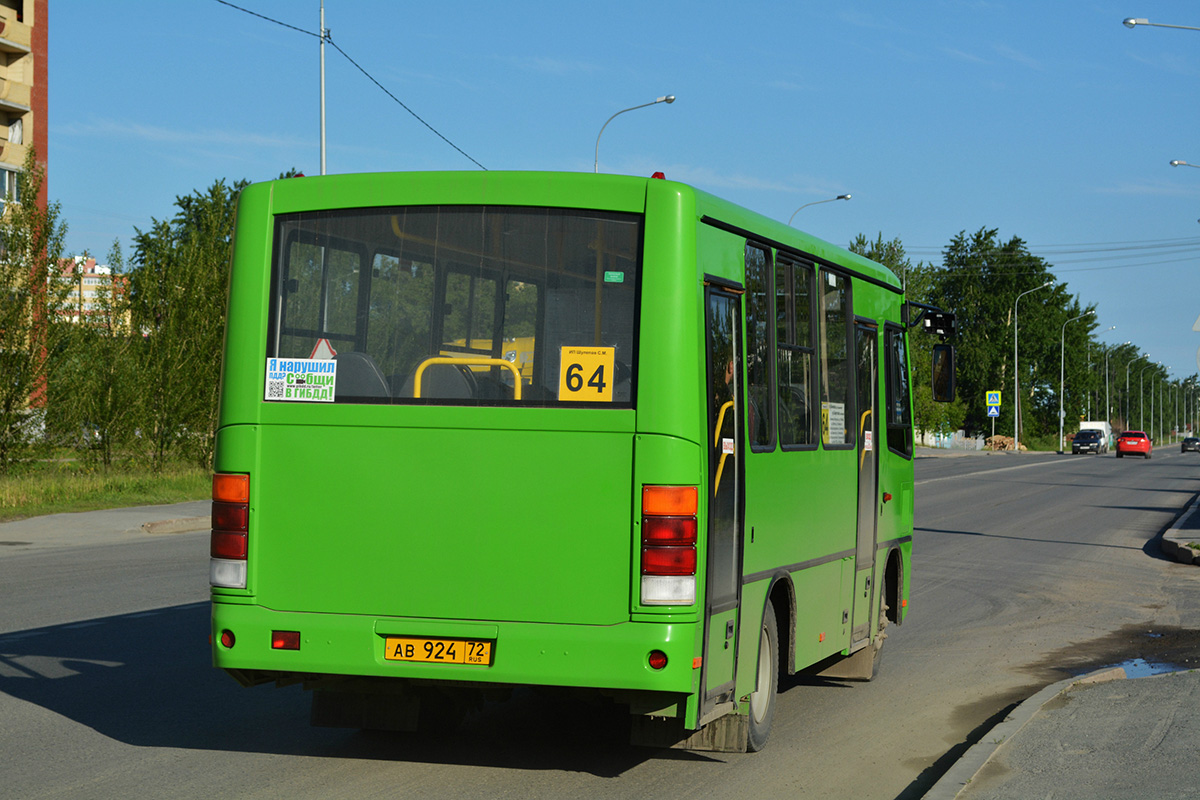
x=454, y=305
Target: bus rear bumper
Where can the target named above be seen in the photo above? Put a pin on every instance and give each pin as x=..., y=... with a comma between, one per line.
x=610, y=657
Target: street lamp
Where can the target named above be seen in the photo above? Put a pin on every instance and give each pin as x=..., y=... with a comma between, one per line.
x=1131, y=22
x=816, y=203
x=1142, y=397
x=1107, y=403
x=1062, y=369
x=1184, y=164
x=669, y=98
x=1016, y=378
x=1131, y=362
x=1089, y=363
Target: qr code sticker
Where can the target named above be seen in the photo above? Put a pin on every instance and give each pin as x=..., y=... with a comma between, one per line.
x=275, y=390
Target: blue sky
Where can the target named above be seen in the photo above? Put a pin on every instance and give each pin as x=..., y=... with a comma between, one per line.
x=1048, y=121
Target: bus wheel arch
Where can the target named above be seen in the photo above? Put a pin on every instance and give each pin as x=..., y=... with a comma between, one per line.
x=893, y=575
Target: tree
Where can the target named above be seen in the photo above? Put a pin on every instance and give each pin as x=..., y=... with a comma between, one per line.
x=178, y=290
x=980, y=281
x=31, y=297
x=919, y=283
x=94, y=386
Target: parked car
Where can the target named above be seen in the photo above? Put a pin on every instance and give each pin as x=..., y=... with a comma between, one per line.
x=1135, y=443
x=1089, y=441
x=1190, y=443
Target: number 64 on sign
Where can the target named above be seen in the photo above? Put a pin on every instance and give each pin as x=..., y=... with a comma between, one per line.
x=585, y=374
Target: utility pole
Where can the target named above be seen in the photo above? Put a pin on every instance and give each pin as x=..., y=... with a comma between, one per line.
x=324, y=34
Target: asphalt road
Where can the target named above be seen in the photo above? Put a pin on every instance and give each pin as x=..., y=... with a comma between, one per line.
x=1027, y=569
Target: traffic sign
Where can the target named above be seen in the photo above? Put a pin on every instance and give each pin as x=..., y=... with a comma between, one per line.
x=993, y=399
x=993, y=411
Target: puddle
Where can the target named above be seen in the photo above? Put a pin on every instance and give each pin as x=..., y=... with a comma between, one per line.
x=1141, y=668
x=1140, y=650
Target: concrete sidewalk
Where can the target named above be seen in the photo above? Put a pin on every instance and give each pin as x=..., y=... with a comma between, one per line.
x=101, y=527
x=1099, y=736
x=1102, y=735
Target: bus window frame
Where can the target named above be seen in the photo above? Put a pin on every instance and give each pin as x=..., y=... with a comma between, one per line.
x=277, y=323
x=810, y=266
x=769, y=333
x=851, y=409
x=892, y=371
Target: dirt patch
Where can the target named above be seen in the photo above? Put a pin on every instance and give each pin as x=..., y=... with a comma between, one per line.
x=1165, y=646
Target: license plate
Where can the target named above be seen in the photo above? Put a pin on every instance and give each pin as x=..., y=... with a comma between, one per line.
x=438, y=651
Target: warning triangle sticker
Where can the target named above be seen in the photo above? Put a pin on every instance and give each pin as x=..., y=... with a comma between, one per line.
x=323, y=350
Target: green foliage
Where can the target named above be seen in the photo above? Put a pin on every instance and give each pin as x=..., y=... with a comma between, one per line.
x=980, y=279
x=919, y=283
x=65, y=485
x=93, y=389
x=31, y=298
x=178, y=292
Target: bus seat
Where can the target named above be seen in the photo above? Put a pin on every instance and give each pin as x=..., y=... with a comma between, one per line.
x=358, y=376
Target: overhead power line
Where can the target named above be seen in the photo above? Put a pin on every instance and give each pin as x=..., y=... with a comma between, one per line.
x=371, y=78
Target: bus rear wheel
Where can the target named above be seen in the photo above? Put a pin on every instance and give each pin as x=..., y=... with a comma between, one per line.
x=762, y=700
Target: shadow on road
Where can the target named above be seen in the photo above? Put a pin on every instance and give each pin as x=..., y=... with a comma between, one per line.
x=146, y=680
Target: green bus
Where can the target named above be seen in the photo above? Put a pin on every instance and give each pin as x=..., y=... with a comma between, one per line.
x=489, y=430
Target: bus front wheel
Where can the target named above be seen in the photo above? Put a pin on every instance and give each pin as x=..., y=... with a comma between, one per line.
x=762, y=700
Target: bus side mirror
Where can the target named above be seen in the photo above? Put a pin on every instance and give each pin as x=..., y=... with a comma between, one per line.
x=943, y=373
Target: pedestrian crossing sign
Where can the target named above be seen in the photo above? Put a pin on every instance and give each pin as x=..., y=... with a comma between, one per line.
x=993, y=399
x=993, y=411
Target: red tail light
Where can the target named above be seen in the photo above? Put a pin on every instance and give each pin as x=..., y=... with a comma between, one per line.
x=668, y=560
x=669, y=535
x=230, y=542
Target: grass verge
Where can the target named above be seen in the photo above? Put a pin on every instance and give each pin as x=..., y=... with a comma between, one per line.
x=65, y=486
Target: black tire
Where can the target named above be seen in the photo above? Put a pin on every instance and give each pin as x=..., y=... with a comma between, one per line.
x=762, y=700
x=1119, y=454
x=1147, y=456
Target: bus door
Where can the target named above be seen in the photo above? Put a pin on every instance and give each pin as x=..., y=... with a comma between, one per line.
x=866, y=335
x=724, y=347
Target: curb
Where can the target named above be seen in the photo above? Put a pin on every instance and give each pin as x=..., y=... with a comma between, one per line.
x=1176, y=540
x=966, y=768
x=180, y=525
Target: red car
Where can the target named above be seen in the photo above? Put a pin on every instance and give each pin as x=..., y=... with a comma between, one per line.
x=1133, y=443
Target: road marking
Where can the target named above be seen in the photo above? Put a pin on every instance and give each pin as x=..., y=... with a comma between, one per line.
x=984, y=472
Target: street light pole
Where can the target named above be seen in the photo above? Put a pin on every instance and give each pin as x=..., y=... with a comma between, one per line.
x=1107, y=402
x=324, y=35
x=1089, y=364
x=816, y=203
x=668, y=99
x=1127, y=366
x=1016, y=373
x=1142, y=397
x=1062, y=371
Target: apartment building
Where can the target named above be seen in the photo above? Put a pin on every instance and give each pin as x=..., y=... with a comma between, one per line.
x=23, y=89
x=93, y=289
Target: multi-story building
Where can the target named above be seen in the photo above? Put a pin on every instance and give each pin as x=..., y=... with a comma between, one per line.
x=94, y=289
x=23, y=89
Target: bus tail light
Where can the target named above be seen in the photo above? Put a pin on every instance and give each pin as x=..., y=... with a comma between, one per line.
x=230, y=541
x=668, y=554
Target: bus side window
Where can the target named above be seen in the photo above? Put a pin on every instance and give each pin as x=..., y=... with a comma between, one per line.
x=794, y=354
x=759, y=309
x=899, y=404
x=837, y=411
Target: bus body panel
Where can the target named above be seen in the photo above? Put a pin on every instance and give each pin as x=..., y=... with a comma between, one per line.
x=524, y=523
x=604, y=657
x=456, y=523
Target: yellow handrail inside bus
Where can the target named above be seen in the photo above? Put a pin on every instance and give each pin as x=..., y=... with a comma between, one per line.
x=716, y=441
x=469, y=361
